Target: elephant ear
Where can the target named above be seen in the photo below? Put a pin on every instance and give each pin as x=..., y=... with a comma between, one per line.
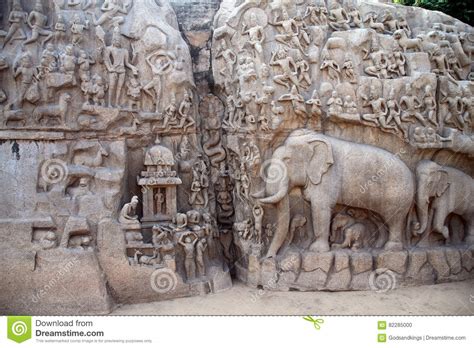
x=442, y=184
x=321, y=159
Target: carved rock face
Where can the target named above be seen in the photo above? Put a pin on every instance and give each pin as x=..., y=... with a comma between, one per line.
x=313, y=114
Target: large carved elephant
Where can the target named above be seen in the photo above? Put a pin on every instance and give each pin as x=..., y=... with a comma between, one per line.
x=331, y=171
x=449, y=191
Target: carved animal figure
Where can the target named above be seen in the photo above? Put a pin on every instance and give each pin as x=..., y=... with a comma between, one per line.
x=446, y=190
x=149, y=260
x=14, y=116
x=401, y=37
x=329, y=171
x=53, y=111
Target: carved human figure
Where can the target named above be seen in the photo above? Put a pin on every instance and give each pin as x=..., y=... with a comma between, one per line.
x=429, y=105
x=38, y=22
x=128, y=214
x=170, y=118
x=389, y=21
x=394, y=113
x=188, y=241
x=282, y=59
x=255, y=33
x=454, y=116
x=68, y=63
x=453, y=64
x=350, y=106
x=371, y=22
x=379, y=62
x=99, y=87
x=116, y=60
x=348, y=69
x=84, y=62
x=354, y=17
x=338, y=18
x=289, y=34
x=329, y=64
x=77, y=29
x=335, y=104
x=258, y=212
x=440, y=61
x=186, y=119
x=24, y=71
x=160, y=63
x=297, y=103
x=315, y=109
x=134, y=93
x=379, y=108
x=201, y=247
x=16, y=19
x=410, y=105
x=302, y=68
x=113, y=11
x=265, y=114
x=397, y=62
x=316, y=14
x=60, y=28
x=229, y=57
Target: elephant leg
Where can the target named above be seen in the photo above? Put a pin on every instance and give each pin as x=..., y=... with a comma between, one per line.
x=470, y=230
x=321, y=225
x=395, y=233
x=439, y=218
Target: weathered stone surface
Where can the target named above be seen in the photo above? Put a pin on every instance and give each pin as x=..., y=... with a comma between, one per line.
x=312, y=261
x=454, y=260
x=467, y=259
x=312, y=280
x=417, y=259
x=291, y=262
x=360, y=281
x=339, y=280
x=393, y=260
x=361, y=262
x=341, y=261
x=437, y=259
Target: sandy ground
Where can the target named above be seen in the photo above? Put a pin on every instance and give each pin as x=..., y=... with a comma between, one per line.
x=442, y=299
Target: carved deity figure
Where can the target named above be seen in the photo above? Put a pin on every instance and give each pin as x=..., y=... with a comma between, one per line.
x=410, y=106
x=379, y=109
x=229, y=57
x=134, y=92
x=297, y=103
x=16, y=19
x=113, y=11
x=128, y=214
x=315, y=108
x=282, y=59
x=255, y=33
x=116, y=60
x=186, y=119
x=289, y=34
x=354, y=17
x=160, y=63
x=77, y=29
x=38, y=22
x=429, y=105
x=99, y=88
x=24, y=70
x=379, y=62
x=335, y=104
x=394, y=113
x=188, y=241
x=258, y=221
x=201, y=247
x=84, y=62
x=330, y=65
x=170, y=118
x=302, y=68
x=338, y=18
x=68, y=63
x=348, y=69
x=316, y=14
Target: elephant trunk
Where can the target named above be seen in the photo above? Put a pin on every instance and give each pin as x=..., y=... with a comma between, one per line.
x=282, y=191
x=422, y=204
x=283, y=208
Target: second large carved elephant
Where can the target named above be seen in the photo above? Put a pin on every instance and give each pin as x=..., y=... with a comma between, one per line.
x=331, y=171
x=446, y=190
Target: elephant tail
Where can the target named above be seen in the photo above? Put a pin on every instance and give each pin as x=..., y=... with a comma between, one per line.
x=381, y=228
x=411, y=217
